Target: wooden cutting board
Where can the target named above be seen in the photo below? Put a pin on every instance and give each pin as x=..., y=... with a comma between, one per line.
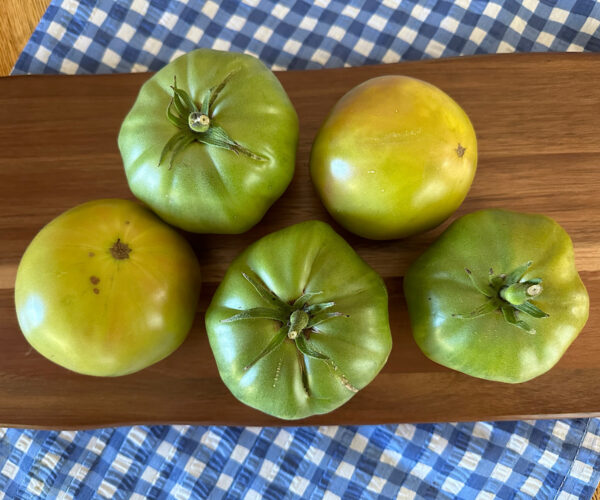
x=537, y=118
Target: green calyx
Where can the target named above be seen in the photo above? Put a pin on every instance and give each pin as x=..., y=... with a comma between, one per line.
x=196, y=124
x=509, y=294
x=299, y=321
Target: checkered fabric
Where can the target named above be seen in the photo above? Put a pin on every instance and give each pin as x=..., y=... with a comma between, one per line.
x=102, y=36
x=546, y=459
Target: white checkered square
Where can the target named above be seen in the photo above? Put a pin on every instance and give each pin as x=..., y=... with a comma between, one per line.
x=390, y=457
x=235, y=23
x=42, y=54
x=591, y=441
x=376, y=484
x=469, y=460
x=351, y=12
x=406, y=431
x=263, y=34
x=518, y=24
x=220, y=44
x=210, y=439
x=78, y=472
x=567, y=496
x=50, y=460
x=477, y=36
x=268, y=470
x=308, y=23
x=194, y=34
x=437, y=444
x=23, y=443
x=560, y=430
x=110, y=58
x=558, y=15
x=485, y=495
x=10, y=469
x=482, y=430
x=420, y=470
x=126, y=32
x=224, y=482
x=359, y=443
x=150, y=475
x=292, y=46
x=345, y=470
x=58, y=30
x=194, y=467
x=315, y=455
x=98, y=16
x=505, y=48
x=210, y=9
x=434, y=49
x=407, y=34
x=152, y=45
x=501, y=472
x=330, y=496
x=336, y=32
x=283, y=439
x=239, y=453
x=179, y=492
x=377, y=22
x=452, y=485
x=406, y=494
x=122, y=463
x=298, y=485
x=450, y=24
x=582, y=471
x=548, y=459
x=492, y=10
x=420, y=12
x=168, y=20
x=35, y=486
x=107, y=490
x=280, y=11
x=517, y=443
x=531, y=486
x=364, y=47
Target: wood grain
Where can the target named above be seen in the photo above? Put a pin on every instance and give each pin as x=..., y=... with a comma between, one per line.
x=18, y=19
x=537, y=119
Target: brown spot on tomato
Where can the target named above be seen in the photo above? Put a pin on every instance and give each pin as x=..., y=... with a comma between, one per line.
x=96, y=291
x=91, y=254
x=460, y=150
x=95, y=280
x=126, y=222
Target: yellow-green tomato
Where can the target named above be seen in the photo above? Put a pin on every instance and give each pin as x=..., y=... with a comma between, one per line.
x=107, y=289
x=396, y=156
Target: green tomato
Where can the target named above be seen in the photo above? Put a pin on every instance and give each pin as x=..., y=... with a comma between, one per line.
x=497, y=296
x=210, y=142
x=396, y=156
x=299, y=323
x=107, y=289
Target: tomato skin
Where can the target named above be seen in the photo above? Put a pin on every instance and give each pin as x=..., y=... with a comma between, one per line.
x=439, y=291
x=101, y=314
x=396, y=156
x=304, y=258
x=209, y=189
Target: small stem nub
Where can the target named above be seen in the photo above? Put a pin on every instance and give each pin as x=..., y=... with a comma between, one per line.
x=120, y=250
x=298, y=322
x=198, y=121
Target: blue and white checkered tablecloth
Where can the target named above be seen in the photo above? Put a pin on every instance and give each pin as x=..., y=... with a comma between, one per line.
x=546, y=459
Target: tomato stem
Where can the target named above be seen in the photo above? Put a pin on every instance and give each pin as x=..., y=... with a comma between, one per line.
x=510, y=294
x=120, y=250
